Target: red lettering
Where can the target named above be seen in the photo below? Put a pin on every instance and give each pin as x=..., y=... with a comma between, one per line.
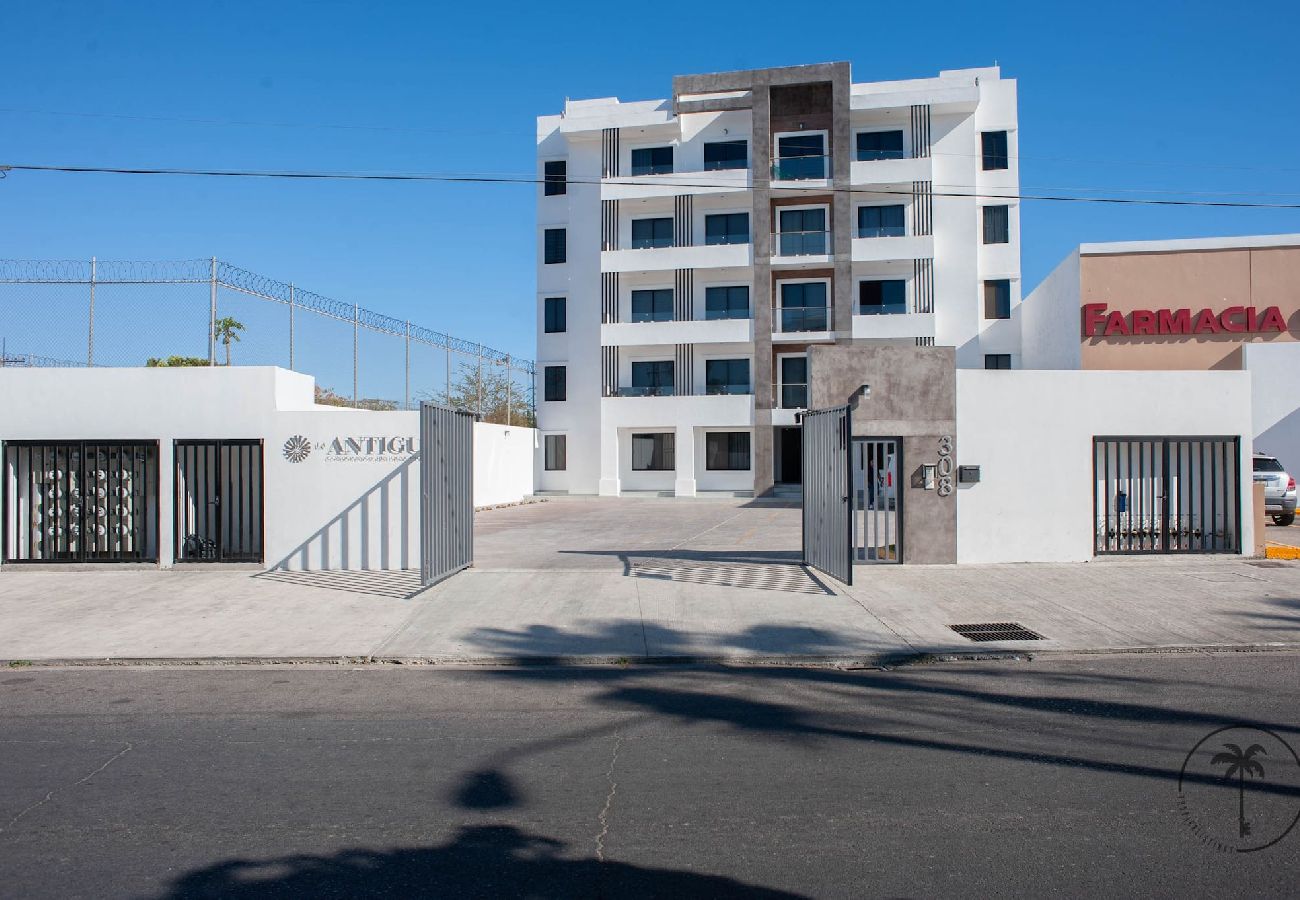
x=1144, y=321
x=1175, y=321
x=1206, y=323
x=1272, y=320
x=1251, y=323
x=1093, y=315
x=1115, y=324
x=1227, y=319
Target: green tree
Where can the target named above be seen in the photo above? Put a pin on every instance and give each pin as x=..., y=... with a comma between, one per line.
x=326, y=397
x=227, y=331
x=172, y=362
x=505, y=396
x=1240, y=763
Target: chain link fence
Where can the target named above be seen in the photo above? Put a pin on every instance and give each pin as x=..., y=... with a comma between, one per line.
x=208, y=312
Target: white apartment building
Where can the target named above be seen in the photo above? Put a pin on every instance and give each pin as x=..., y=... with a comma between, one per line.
x=691, y=250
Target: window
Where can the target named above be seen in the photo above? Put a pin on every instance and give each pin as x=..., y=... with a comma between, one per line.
x=648, y=233
x=997, y=229
x=800, y=156
x=803, y=232
x=556, y=315
x=557, y=452
x=726, y=451
x=555, y=177
x=556, y=383
x=726, y=302
x=881, y=221
x=1267, y=464
x=880, y=145
x=803, y=306
x=652, y=306
x=555, y=247
x=794, y=382
x=652, y=161
x=726, y=376
x=652, y=378
x=993, y=144
x=997, y=299
x=726, y=155
x=654, y=452
x=726, y=228
x=997, y=360
x=882, y=297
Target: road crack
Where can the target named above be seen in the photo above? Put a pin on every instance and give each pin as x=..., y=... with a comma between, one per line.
x=603, y=818
x=50, y=795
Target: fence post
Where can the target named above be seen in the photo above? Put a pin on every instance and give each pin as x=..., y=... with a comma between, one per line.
x=510, y=379
x=447, y=386
x=407, y=403
x=480, y=382
x=212, y=314
x=356, y=349
x=90, y=335
x=291, y=299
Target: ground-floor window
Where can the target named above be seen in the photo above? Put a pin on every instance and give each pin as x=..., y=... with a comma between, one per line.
x=726, y=451
x=654, y=452
x=557, y=452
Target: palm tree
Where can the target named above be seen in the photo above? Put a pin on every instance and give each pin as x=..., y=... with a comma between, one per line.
x=1240, y=764
x=227, y=330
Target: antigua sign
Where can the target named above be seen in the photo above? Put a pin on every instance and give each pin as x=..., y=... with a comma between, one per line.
x=375, y=448
x=1097, y=322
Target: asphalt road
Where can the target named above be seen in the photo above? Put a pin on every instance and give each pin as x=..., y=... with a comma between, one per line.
x=972, y=779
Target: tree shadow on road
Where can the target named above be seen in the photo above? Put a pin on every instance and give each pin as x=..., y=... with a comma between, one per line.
x=482, y=861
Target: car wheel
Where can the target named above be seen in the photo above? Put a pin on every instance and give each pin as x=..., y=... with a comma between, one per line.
x=1284, y=520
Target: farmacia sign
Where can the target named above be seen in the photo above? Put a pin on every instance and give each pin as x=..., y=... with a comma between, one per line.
x=1097, y=322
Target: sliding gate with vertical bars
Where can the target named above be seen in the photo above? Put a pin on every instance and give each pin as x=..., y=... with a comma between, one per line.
x=219, y=501
x=1167, y=495
x=877, y=501
x=827, y=492
x=446, y=492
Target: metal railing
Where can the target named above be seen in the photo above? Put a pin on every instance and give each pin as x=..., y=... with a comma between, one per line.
x=801, y=168
x=208, y=312
x=799, y=318
x=801, y=243
x=790, y=395
x=720, y=389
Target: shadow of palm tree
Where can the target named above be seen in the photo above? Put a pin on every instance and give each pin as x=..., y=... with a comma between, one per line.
x=482, y=861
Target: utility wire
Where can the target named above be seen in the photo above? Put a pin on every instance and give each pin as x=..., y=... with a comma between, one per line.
x=509, y=179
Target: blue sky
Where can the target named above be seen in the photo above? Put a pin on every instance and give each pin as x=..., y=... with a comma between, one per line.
x=1169, y=96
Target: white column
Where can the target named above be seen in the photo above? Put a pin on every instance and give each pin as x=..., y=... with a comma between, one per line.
x=609, y=480
x=685, y=461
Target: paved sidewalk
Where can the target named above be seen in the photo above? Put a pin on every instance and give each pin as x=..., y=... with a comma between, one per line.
x=649, y=613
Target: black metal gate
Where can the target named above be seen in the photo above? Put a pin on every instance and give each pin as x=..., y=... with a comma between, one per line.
x=219, y=501
x=446, y=492
x=827, y=502
x=81, y=501
x=877, y=500
x=1167, y=495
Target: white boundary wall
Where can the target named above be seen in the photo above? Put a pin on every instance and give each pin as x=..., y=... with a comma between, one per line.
x=352, y=503
x=1031, y=432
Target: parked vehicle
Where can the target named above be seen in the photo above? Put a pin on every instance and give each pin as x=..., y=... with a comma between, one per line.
x=1279, y=489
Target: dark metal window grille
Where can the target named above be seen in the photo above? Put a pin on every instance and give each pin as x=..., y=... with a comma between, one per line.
x=994, y=147
x=555, y=246
x=556, y=315
x=81, y=501
x=556, y=387
x=726, y=451
x=997, y=228
x=219, y=504
x=996, y=631
x=556, y=177
x=1167, y=495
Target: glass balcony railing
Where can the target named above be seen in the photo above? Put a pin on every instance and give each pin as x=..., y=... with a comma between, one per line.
x=658, y=390
x=719, y=389
x=711, y=315
x=800, y=318
x=655, y=316
x=802, y=243
x=790, y=396
x=882, y=309
x=801, y=168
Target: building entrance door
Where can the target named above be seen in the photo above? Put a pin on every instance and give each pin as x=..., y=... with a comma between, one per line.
x=789, y=456
x=219, y=501
x=877, y=501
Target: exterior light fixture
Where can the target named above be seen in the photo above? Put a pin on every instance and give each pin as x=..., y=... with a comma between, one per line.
x=864, y=392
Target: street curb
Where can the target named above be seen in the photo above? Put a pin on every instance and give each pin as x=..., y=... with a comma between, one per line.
x=873, y=661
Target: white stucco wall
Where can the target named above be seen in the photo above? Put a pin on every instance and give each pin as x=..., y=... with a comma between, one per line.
x=352, y=503
x=1275, y=391
x=1050, y=319
x=1031, y=434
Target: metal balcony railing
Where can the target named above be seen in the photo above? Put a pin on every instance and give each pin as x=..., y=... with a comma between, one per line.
x=720, y=389
x=800, y=318
x=801, y=243
x=801, y=168
x=790, y=395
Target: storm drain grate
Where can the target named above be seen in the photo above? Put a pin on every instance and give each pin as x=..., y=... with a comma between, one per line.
x=996, y=631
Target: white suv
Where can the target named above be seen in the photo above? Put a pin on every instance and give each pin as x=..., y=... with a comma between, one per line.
x=1279, y=489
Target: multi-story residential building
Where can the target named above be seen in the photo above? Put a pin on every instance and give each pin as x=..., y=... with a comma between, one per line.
x=692, y=249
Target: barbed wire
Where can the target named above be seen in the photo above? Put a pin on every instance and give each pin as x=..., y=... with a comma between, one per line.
x=33, y=361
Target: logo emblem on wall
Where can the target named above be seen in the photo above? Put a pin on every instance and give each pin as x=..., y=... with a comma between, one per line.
x=297, y=448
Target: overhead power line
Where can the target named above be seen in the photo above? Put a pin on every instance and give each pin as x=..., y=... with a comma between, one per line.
x=452, y=178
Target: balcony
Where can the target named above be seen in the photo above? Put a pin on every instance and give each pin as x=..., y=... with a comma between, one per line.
x=689, y=331
x=716, y=410
x=892, y=326
x=801, y=168
x=718, y=390
x=881, y=249
x=642, y=187
x=890, y=171
x=790, y=395
x=657, y=390
x=661, y=259
x=802, y=249
x=805, y=324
